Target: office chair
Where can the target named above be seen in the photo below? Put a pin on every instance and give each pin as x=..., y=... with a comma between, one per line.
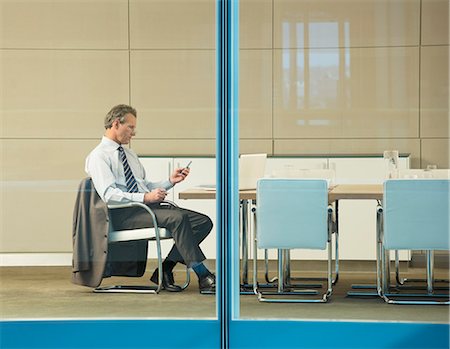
x=330, y=176
x=100, y=251
x=292, y=213
x=418, y=174
x=415, y=216
x=155, y=234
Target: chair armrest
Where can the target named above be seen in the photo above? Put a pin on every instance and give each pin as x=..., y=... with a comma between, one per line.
x=331, y=225
x=379, y=221
x=128, y=204
x=136, y=204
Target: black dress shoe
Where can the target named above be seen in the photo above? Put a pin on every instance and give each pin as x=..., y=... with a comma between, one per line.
x=207, y=283
x=168, y=282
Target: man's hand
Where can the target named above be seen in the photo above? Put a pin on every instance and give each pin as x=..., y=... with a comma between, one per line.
x=179, y=175
x=156, y=195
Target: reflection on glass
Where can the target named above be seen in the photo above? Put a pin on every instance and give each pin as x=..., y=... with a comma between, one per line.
x=325, y=34
x=350, y=87
x=316, y=85
x=324, y=79
x=339, y=75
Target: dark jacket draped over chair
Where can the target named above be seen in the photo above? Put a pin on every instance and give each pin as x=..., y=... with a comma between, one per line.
x=93, y=258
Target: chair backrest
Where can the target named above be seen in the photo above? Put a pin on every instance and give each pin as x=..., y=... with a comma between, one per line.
x=416, y=214
x=292, y=213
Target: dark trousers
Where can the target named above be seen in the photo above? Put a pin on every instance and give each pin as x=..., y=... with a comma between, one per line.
x=189, y=228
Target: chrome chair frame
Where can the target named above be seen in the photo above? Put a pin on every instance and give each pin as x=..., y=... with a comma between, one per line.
x=409, y=283
x=151, y=234
x=289, y=278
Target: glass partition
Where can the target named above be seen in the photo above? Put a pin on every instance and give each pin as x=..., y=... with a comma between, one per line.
x=330, y=89
x=60, y=77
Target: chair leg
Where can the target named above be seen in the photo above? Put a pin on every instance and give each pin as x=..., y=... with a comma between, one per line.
x=336, y=242
x=377, y=286
x=288, y=279
x=187, y=280
x=126, y=289
x=244, y=245
x=283, y=255
x=266, y=265
x=430, y=297
x=138, y=289
x=407, y=283
x=398, y=279
x=336, y=258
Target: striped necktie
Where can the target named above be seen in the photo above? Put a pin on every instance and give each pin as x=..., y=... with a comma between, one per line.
x=131, y=181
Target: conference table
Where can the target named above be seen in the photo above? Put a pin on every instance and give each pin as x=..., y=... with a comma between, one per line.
x=248, y=197
x=336, y=193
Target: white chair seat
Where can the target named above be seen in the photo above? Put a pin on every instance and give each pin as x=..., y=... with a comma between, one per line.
x=138, y=234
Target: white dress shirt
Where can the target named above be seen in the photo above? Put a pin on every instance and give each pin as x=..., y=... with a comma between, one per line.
x=105, y=168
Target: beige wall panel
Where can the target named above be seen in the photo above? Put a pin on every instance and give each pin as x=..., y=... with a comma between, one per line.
x=349, y=23
x=348, y=147
x=436, y=152
x=174, y=93
x=254, y=146
x=255, y=94
x=55, y=94
x=255, y=23
x=434, y=96
x=39, y=183
x=197, y=147
x=65, y=24
x=174, y=147
x=435, y=22
x=334, y=93
x=172, y=24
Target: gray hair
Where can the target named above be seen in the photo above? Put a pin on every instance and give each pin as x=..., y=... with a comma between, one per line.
x=118, y=112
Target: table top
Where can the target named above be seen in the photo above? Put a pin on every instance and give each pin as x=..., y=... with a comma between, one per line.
x=338, y=192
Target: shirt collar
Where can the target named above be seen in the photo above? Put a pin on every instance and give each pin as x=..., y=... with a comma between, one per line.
x=110, y=143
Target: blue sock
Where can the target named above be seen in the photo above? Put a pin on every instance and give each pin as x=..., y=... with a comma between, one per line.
x=201, y=270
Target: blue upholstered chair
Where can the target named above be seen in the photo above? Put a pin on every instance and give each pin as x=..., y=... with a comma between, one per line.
x=290, y=214
x=415, y=217
x=296, y=173
x=417, y=174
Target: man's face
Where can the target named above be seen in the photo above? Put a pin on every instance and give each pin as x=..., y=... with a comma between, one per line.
x=125, y=131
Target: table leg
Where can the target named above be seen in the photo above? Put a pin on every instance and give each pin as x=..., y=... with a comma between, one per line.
x=244, y=246
x=377, y=286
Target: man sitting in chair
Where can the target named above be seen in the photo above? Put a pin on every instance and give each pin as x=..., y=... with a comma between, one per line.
x=119, y=177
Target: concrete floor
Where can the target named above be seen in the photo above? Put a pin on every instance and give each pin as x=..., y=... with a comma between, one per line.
x=46, y=292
